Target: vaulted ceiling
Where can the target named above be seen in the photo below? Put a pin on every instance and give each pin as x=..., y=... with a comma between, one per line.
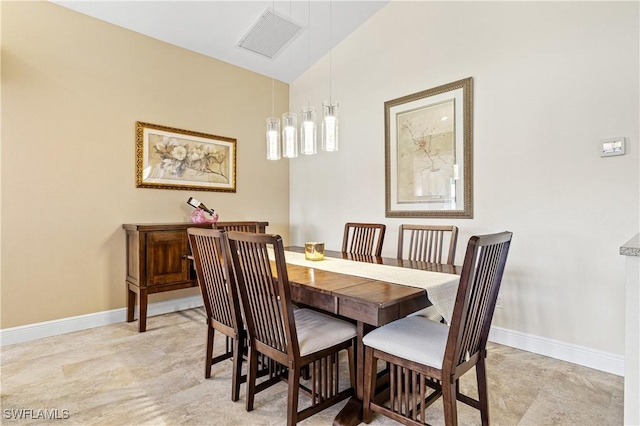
x=214, y=28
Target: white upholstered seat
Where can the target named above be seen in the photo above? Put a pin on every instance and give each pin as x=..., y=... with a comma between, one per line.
x=414, y=338
x=317, y=331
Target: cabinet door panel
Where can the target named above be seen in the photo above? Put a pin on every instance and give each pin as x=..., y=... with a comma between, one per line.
x=166, y=257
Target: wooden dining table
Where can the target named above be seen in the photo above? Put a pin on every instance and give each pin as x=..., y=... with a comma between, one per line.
x=369, y=302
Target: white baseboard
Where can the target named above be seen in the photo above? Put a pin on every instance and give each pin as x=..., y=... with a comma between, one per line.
x=592, y=358
x=29, y=332
x=603, y=361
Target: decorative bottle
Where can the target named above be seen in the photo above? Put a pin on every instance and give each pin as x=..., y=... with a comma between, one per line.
x=198, y=205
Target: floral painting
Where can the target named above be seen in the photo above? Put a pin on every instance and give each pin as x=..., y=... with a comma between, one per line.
x=171, y=158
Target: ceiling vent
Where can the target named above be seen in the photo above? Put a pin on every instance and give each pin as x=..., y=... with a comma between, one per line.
x=269, y=35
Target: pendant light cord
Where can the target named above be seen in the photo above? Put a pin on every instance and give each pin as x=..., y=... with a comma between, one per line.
x=273, y=81
x=330, y=51
x=309, y=56
x=289, y=48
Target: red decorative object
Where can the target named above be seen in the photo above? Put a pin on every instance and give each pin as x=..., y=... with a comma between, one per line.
x=199, y=216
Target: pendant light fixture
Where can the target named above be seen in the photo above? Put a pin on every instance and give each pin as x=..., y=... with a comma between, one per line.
x=308, y=113
x=289, y=135
x=283, y=142
x=273, y=130
x=273, y=138
x=308, y=130
x=330, y=109
x=290, y=125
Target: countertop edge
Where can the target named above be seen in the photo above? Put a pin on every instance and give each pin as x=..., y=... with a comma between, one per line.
x=631, y=247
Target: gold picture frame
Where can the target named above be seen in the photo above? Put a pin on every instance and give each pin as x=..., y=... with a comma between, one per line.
x=170, y=158
x=429, y=153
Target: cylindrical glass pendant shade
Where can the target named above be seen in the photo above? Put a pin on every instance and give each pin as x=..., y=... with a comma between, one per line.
x=289, y=135
x=308, y=130
x=329, y=126
x=273, y=138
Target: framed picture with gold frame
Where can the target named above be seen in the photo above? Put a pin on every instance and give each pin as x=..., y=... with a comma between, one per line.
x=170, y=158
x=429, y=153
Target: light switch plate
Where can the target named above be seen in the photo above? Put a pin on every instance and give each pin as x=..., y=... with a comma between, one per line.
x=611, y=147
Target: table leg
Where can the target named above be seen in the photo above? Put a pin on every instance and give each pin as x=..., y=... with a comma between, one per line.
x=362, y=330
x=351, y=414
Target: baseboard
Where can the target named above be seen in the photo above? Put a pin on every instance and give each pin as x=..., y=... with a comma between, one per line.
x=592, y=358
x=603, y=361
x=29, y=332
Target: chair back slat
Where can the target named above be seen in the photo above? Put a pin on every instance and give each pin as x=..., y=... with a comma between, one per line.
x=221, y=304
x=363, y=238
x=266, y=300
x=480, y=281
x=242, y=226
x=428, y=243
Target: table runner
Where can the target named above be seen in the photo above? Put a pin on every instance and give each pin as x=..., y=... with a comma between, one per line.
x=441, y=288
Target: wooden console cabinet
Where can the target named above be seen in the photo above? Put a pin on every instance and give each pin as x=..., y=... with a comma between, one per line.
x=158, y=261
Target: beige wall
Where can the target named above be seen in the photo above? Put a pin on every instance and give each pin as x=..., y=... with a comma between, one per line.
x=551, y=79
x=72, y=89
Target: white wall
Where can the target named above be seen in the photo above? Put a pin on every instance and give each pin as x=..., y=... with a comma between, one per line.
x=551, y=79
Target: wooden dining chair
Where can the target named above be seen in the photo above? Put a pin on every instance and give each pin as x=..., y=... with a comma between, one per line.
x=293, y=338
x=428, y=358
x=222, y=306
x=363, y=238
x=242, y=226
x=428, y=243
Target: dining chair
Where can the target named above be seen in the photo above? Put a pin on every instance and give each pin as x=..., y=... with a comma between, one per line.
x=363, y=238
x=222, y=306
x=292, y=338
x=428, y=243
x=427, y=356
x=242, y=226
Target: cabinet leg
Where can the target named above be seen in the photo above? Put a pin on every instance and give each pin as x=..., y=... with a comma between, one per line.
x=142, y=318
x=131, y=303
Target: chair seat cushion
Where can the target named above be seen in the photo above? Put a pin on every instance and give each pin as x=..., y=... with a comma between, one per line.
x=414, y=338
x=317, y=331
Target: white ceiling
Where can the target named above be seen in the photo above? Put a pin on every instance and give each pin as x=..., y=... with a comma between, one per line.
x=214, y=28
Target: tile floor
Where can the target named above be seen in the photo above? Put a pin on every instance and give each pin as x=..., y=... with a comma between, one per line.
x=114, y=375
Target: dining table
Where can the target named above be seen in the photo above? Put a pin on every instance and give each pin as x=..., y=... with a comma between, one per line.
x=371, y=291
